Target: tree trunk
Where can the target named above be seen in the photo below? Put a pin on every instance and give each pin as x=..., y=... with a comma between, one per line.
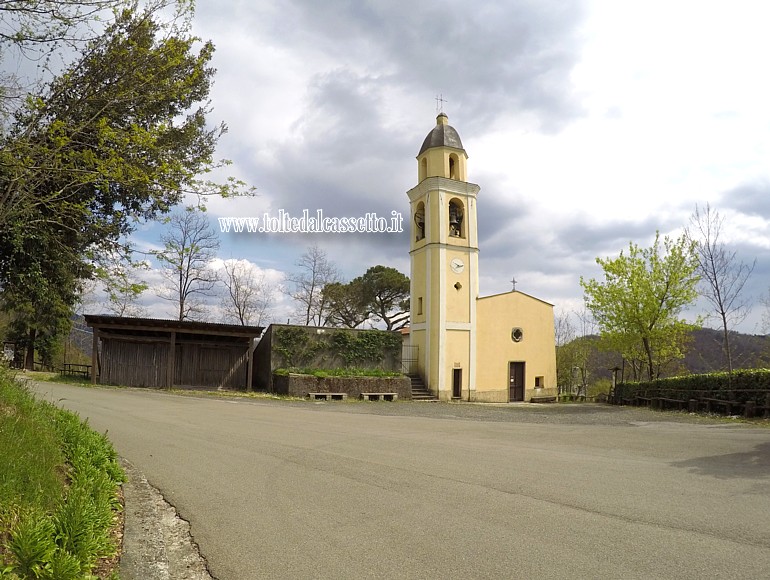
x=29, y=359
x=726, y=345
x=648, y=351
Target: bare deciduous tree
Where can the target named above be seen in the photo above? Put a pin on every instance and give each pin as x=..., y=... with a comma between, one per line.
x=765, y=300
x=315, y=272
x=248, y=295
x=722, y=276
x=573, y=349
x=189, y=247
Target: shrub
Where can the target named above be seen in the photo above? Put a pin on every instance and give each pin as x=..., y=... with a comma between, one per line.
x=740, y=386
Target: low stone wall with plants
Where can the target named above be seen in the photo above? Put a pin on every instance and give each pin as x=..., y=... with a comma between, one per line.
x=300, y=385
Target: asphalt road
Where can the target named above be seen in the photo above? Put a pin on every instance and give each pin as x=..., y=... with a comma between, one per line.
x=436, y=490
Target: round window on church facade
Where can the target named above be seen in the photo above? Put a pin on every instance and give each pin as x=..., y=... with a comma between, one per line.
x=517, y=334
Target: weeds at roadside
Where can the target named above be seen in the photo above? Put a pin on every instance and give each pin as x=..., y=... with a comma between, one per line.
x=58, y=489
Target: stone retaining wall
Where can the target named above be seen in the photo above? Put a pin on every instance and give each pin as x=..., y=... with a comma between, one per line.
x=300, y=385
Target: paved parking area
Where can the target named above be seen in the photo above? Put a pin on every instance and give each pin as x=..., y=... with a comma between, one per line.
x=435, y=490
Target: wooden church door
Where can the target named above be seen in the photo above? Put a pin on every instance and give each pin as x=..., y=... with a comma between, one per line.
x=516, y=385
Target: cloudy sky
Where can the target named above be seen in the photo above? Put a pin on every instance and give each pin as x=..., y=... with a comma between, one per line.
x=588, y=124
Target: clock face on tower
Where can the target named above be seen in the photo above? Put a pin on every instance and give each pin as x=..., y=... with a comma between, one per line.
x=457, y=265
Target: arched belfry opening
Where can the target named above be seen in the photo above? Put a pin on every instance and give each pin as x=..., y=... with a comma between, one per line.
x=456, y=218
x=419, y=221
x=423, y=168
x=453, y=166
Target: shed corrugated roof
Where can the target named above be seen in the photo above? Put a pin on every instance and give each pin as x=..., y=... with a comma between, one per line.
x=106, y=321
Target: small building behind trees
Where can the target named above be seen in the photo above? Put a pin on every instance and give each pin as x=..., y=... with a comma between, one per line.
x=148, y=352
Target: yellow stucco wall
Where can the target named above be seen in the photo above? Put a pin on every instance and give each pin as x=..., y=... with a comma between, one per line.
x=435, y=163
x=417, y=339
x=458, y=287
x=419, y=292
x=496, y=316
x=457, y=356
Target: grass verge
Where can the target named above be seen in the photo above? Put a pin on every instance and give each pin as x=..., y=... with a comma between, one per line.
x=59, y=486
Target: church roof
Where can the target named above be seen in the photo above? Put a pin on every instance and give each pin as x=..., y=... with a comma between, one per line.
x=442, y=135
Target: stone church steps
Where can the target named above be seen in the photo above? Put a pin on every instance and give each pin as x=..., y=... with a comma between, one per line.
x=419, y=390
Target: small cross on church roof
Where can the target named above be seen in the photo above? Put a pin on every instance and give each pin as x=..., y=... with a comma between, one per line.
x=440, y=100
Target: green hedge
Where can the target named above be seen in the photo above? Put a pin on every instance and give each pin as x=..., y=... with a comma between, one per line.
x=740, y=386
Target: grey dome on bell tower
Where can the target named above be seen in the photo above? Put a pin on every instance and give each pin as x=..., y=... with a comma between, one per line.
x=442, y=135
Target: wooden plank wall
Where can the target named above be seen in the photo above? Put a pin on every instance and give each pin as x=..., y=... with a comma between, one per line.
x=135, y=364
x=141, y=364
x=206, y=365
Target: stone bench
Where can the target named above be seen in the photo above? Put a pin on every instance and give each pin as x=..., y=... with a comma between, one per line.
x=379, y=396
x=543, y=399
x=327, y=396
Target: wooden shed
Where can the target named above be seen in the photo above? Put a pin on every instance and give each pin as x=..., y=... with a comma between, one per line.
x=148, y=352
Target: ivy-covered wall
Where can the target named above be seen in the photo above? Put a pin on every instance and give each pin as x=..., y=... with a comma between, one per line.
x=308, y=347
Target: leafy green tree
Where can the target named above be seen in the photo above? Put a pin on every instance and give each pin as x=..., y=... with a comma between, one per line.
x=39, y=292
x=639, y=303
x=119, y=276
x=387, y=295
x=382, y=293
x=121, y=136
x=33, y=32
x=118, y=138
x=42, y=23
x=348, y=305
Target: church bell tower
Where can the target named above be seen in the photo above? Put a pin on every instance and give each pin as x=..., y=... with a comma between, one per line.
x=444, y=265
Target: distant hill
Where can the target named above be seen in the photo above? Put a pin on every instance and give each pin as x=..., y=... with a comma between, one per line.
x=704, y=354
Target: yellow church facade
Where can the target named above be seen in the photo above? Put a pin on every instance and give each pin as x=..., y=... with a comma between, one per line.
x=492, y=349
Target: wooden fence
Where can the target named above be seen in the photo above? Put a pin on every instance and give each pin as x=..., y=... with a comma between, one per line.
x=747, y=402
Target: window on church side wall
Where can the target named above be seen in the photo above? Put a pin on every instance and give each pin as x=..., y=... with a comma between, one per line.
x=456, y=215
x=419, y=221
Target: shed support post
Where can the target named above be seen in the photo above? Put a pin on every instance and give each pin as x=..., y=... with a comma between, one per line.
x=171, y=362
x=250, y=365
x=95, y=356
